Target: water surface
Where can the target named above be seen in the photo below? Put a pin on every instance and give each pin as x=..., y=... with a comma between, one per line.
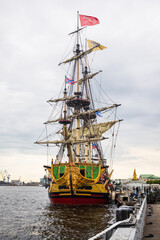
x=26, y=213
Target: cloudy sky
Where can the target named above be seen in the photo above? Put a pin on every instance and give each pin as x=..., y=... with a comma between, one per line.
x=33, y=39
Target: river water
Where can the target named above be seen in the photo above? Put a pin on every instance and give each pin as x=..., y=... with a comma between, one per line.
x=26, y=213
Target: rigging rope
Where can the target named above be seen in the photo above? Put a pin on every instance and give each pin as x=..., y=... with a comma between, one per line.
x=104, y=91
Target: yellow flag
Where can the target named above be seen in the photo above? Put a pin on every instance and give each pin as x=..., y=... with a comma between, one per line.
x=92, y=44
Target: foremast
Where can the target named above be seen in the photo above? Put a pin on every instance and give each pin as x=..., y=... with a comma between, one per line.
x=66, y=134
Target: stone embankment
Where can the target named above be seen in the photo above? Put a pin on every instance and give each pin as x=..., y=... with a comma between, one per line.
x=152, y=222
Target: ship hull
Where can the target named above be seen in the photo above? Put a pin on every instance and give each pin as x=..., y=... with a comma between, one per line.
x=80, y=198
x=76, y=200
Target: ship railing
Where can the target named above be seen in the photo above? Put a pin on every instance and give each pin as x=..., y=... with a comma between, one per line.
x=119, y=230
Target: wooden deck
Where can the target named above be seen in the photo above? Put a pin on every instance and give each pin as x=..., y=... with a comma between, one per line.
x=152, y=223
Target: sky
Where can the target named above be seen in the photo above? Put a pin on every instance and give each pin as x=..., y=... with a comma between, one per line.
x=34, y=36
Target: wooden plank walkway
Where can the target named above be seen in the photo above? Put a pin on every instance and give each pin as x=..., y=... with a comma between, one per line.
x=152, y=223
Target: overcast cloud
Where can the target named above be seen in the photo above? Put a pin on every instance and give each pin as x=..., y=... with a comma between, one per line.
x=34, y=36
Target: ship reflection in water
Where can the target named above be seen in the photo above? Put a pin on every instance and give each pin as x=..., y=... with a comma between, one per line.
x=26, y=213
x=80, y=222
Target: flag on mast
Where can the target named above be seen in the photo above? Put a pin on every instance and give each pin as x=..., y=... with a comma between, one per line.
x=95, y=146
x=92, y=44
x=69, y=81
x=88, y=20
x=98, y=114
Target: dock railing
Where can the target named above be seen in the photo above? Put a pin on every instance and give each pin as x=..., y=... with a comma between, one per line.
x=109, y=231
x=140, y=220
x=117, y=230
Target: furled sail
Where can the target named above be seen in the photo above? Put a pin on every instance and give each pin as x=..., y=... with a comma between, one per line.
x=77, y=30
x=71, y=141
x=60, y=99
x=95, y=110
x=88, y=77
x=84, y=113
x=80, y=55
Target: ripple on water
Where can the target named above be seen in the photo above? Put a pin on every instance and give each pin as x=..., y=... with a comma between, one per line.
x=26, y=213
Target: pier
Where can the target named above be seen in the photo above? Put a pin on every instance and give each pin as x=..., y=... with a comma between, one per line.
x=128, y=229
x=152, y=222
x=144, y=225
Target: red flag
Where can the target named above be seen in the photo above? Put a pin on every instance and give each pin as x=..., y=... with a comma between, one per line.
x=88, y=20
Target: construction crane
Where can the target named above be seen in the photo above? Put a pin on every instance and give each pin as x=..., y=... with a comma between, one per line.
x=7, y=175
x=3, y=176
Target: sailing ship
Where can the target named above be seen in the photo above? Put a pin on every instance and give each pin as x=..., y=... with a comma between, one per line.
x=79, y=174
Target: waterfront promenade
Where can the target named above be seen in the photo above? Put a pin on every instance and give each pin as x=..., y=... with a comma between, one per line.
x=152, y=222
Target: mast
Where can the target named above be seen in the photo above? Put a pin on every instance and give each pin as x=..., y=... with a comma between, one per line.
x=87, y=150
x=78, y=118
x=65, y=121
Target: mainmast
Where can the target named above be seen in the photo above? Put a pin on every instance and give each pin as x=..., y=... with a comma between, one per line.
x=78, y=111
x=87, y=145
